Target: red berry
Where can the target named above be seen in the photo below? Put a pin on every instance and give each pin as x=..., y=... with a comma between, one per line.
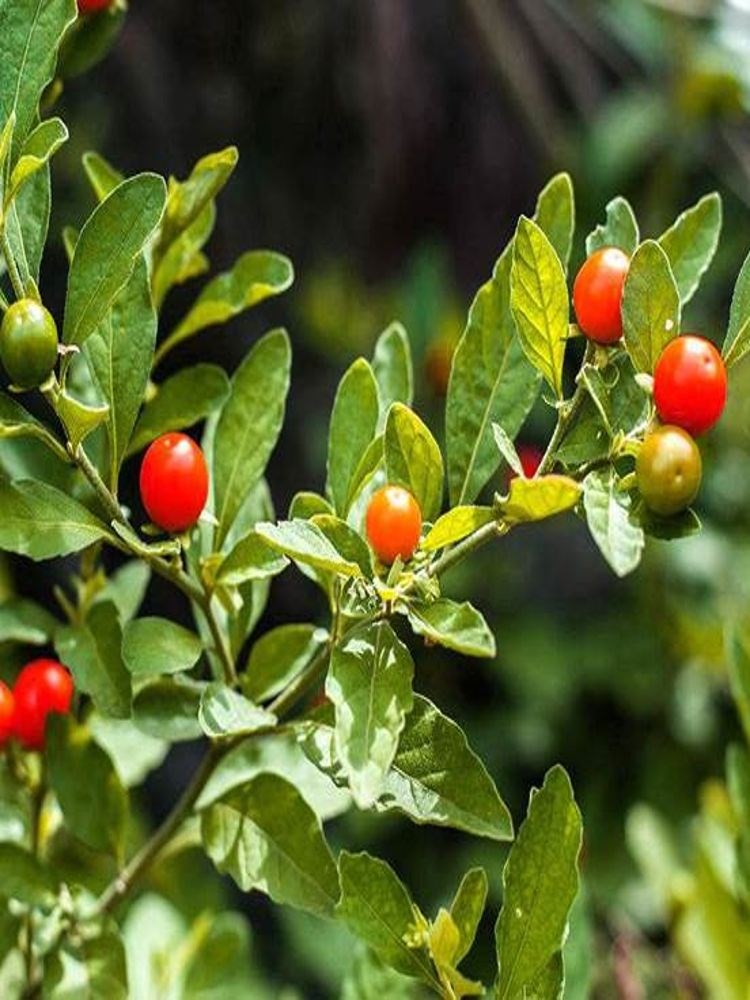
x=690, y=384
x=174, y=482
x=7, y=703
x=597, y=294
x=393, y=523
x=43, y=686
x=531, y=458
x=92, y=6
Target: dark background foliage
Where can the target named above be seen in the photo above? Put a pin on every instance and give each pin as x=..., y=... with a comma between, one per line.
x=388, y=147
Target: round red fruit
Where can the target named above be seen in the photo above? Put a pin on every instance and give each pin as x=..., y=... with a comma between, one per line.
x=597, y=294
x=174, y=482
x=7, y=709
x=42, y=687
x=93, y=6
x=690, y=384
x=393, y=523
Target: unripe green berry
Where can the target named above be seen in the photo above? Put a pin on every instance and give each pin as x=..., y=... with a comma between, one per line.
x=28, y=343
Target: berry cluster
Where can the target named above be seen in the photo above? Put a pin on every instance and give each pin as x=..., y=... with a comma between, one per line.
x=42, y=687
x=690, y=387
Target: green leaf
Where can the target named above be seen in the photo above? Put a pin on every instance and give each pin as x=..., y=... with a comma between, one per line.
x=187, y=199
x=38, y=149
x=691, y=242
x=133, y=753
x=110, y=242
x=31, y=31
x=278, y=656
x=620, y=229
x=277, y=753
x=737, y=341
x=555, y=215
x=540, y=882
x=24, y=877
x=184, y=259
x=366, y=469
x=93, y=801
x=305, y=542
x=491, y=382
x=168, y=708
x=539, y=302
x=738, y=658
x=370, y=979
x=413, y=459
x=608, y=512
x=224, y=712
x=393, y=370
x=456, y=626
x=345, y=540
x=436, y=778
x=249, y=425
x=102, y=176
x=152, y=646
x=467, y=909
x=548, y=983
x=650, y=306
x=250, y=559
x=376, y=906
x=538, y=499
x=27, y=224
x=126, y=588
x=91, y=967
x=25, y=622
x=119, y=356
x=353, y=426
x=41, y=522
x=190, y=395
x=79, y=419
x=266, y=837
x=256, y=276
x=93, y=652
x=455, y=525
x=369, y=682
x=508, y=450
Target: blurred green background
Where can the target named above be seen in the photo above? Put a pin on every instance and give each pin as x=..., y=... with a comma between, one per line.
x=388, y=146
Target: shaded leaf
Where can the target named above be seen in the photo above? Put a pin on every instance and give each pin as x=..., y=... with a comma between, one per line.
x=540, y=882
x=737, y=341
x=105, y=254
x=168, y=708
x=353, y=425
x=650, y=306
x=413, y=459
x=608, y=512
x=620, y=229
x=249, y=425
x=152, y=646
x=467, y=909
x=266, y=837
x=93, y=653
x=456, y=626
x=40, y=521
x=376, y=906
x=224, y=712
x=278, y=656
x=690, y=243
x=369, y=682
x=93, y=801
x=190, y=395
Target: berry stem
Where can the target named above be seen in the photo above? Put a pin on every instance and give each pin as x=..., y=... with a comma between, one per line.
x=566, y=416
x=13, y=272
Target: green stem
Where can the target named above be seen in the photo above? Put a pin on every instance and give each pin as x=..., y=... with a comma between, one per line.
x=121, y=887
x=37, y=804
x=566, y=417
x=13, y=272
x=478, y=538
